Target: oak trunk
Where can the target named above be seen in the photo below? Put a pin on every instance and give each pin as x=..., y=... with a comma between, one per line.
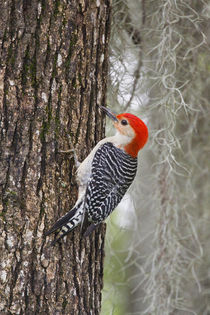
x=53, y=73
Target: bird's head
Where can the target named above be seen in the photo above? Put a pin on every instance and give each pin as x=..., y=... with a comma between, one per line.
x=132, y=131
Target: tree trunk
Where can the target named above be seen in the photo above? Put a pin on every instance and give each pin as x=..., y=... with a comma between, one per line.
x=53, y=74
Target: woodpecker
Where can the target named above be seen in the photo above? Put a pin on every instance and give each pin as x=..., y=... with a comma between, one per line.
x=105, y=175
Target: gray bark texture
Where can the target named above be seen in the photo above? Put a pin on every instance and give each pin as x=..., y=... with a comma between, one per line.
x=53, y=73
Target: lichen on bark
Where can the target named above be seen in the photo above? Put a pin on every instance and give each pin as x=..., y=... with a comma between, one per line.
x=53, y=74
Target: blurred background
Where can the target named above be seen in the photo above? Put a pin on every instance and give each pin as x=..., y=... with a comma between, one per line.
x=158, y=239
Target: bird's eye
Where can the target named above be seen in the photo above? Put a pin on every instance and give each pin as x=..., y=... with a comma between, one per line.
x=124, y=122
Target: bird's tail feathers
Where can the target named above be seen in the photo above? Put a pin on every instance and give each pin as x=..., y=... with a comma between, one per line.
x=64, y=219
x=86, y=227
x=70, y=225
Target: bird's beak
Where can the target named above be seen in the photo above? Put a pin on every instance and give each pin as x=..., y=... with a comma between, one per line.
x=109, y=113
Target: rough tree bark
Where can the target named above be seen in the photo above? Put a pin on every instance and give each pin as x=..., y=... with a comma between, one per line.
x=52, y=76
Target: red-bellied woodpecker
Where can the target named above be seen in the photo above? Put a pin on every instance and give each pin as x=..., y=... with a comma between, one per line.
x=105, y=175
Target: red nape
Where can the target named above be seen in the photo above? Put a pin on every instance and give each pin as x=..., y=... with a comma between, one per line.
x=141, y=134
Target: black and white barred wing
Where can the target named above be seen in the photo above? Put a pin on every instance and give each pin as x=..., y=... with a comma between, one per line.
x=112, y=173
